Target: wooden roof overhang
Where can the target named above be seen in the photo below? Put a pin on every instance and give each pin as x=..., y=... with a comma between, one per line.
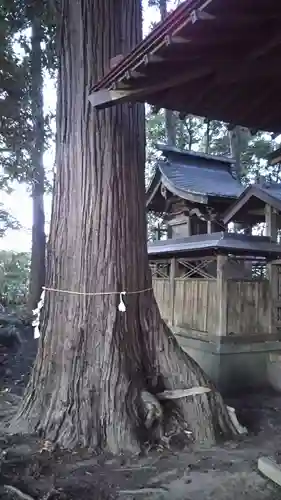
x=214, y=244
x=195, y=178
x=213, y=58
x=250, y=206
x=156, y=203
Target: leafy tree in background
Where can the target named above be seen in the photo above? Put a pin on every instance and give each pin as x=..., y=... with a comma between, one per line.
x=15, y=130
x=14, y=277
x=15, y=125
x=7, y=221
x=170, y=117
x=25, y=131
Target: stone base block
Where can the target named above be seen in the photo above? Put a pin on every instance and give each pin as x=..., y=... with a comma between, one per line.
x=236, y=365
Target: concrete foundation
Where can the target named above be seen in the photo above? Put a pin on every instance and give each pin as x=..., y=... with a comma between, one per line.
x=274, y=370
x=236, y=364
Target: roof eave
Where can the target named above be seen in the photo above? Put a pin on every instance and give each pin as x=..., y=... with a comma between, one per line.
x=220, y=159
x=237, y=205
x=181, y=193
x=250, y=191
x=153, y=187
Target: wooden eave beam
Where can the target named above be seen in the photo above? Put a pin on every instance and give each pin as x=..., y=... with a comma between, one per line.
x=133, y=75
x=171, y=40
x=109, y=97
x=256, y=212
x=152, y=59
x=201, y=15
x=126, y=89
x=173, y=24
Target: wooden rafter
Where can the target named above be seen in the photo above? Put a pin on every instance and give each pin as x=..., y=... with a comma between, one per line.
x=221, y=57
x=105, y=98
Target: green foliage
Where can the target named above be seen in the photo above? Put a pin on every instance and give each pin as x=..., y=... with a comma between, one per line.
x=7, y=221
x=15, y=129
x=14, y=273
x=16, y=124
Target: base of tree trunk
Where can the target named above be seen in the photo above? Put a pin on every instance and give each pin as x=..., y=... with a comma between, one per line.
x=115, y=407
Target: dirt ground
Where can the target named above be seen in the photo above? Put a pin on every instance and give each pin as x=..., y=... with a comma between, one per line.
x=225, y=472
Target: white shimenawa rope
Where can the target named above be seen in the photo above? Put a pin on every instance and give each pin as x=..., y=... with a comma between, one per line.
x=37, y=311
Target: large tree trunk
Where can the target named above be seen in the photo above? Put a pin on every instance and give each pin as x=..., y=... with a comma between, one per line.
x=170, y=118
x=94, y=361
x=38, y=250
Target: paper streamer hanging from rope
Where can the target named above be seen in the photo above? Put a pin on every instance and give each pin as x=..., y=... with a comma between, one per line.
x=36, y=312
x=122, y=307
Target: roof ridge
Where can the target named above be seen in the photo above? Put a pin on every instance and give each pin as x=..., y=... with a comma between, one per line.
x=165, y=149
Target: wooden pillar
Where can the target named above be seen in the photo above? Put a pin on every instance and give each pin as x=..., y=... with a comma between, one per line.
x=222, y=295
x=271, y=231
x=173, y=274
x=270, y=222
x=188, y=226
x=248, y=230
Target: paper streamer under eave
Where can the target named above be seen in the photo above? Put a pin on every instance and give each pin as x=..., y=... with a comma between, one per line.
x=37, y=312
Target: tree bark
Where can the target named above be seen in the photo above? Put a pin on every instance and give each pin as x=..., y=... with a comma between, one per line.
x=94, y=361
x=38, y=249
x=170, y=118
x=239, y=138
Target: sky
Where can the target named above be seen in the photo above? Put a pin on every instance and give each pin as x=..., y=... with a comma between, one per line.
x=19, y=202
